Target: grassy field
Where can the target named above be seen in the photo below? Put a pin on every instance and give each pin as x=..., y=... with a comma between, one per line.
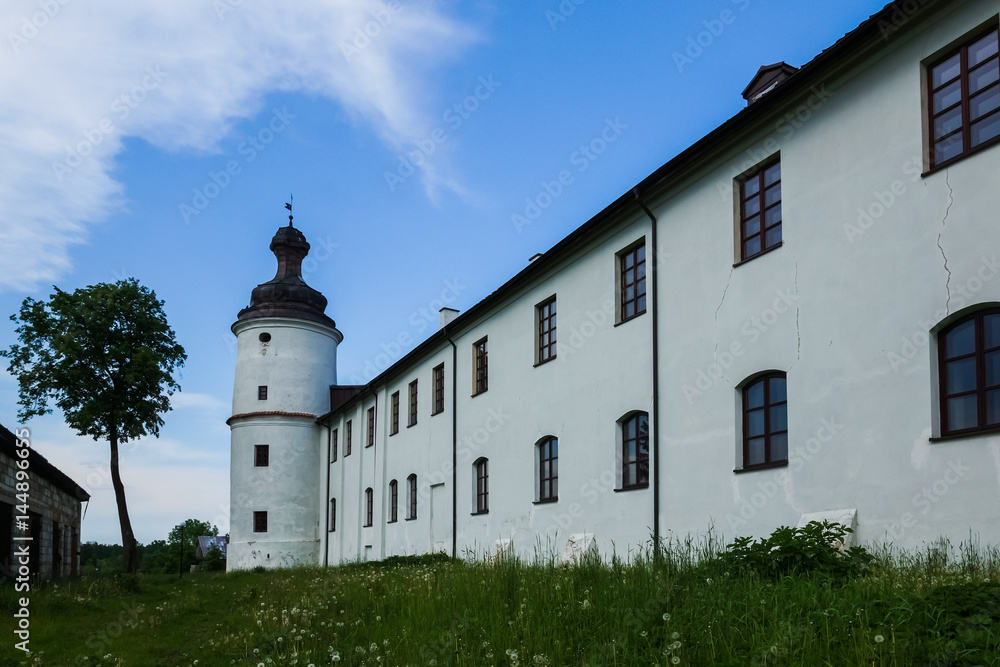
x=690, y=607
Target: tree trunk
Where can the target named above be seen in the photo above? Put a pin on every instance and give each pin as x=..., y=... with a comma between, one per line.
x=128, y=537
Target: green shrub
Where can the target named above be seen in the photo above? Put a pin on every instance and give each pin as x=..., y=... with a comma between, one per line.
x=812, y=548
x=214, y=561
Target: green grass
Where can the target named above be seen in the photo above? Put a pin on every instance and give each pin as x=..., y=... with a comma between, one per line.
x=689, y=608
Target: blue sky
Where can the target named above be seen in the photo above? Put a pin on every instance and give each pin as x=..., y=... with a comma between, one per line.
x=162, y=139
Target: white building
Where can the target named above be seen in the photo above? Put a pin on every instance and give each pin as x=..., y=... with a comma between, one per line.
x=713, y=365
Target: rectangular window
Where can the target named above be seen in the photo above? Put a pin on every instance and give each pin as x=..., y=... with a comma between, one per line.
x=964, y=99
x=347, y=438
x=760, y=211
x=260, y=455
x=411, y=483
x=333, y=445
x=481, y=366
x=482, y=486
x=632, y=282
x=262, y=393
x=413, y=403
x=260, y=522
x=333, y=515
x=394, y=407
x=369, y=506
x=393, y=501
x=546, y=330
x=438, y=389
x=371, y=428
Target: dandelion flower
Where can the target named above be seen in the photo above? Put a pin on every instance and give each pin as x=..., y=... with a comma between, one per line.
x=666, y=617
x=879, y=639
x=676, y=660
x=676, y=635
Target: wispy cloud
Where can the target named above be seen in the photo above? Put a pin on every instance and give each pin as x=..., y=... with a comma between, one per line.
x=77, y=78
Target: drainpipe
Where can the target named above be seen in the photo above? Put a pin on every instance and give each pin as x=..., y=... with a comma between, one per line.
x=454, y=448
x=655, y=435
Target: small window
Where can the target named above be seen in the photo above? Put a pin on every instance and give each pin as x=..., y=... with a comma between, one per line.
x=765, y=421
x=632, y=283
x=969, y=357
x=260, y=522
x=548, y=470
x=393, y=501
x=347, y=438
x=264, y=337
x=964, y=99
x=333, y=515
x=546, y=330
x=481, y=365
x=635, y=451
x=411, y=488
x=369, y=506
x=333, y=445
x=262, y=393
x=370, y=436
x=438, y=389
x=482, y=486
x=394, y=409
x=413, y=404
x=760, y=211
x=261, y=454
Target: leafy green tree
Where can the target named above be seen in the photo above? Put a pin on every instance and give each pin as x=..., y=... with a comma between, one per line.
x=153, y=557
x=181, y=552
x=214, y=561
x=106, y=356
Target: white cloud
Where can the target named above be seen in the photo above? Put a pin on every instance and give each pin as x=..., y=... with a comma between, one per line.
x=182, y=399
x=179, y=74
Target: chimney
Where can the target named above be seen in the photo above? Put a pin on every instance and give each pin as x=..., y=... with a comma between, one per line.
x=765, y=80
x=447, y=316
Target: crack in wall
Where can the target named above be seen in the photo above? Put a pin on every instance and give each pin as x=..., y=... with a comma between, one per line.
x=944, y=222
x=728, y=280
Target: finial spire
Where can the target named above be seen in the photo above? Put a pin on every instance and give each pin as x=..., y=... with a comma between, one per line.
x=289, y=207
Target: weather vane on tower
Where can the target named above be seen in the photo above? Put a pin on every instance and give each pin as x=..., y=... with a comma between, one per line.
x=289, y=207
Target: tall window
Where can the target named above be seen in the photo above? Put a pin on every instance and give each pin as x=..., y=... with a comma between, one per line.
x=260, y=522
x=760, y=211
x=546, y=330
x=347, y=438
x=333, y=515
x=333, y=445
x=635, y=451
x=548, y=469
x=261, y=454
x=411, y=489
x=394, y=409
x=632, y=283
x=393, y=500
x=481, y=366
x=371, y=428
x=765, y=421
x=965, y=99
x=369, y=505
x=969, y=355
x=262, y=393
x=482, y=486
x=438, y=389
x=413, y=403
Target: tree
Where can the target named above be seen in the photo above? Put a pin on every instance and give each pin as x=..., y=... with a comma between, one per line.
x=183, y=542
x=106, y=356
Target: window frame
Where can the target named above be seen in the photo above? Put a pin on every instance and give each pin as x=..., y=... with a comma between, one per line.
x=766, y=407
x=438, y=375
x=370, y=436
x=412, y=394
x=348, y=437
x=631, y=252
x=759, y=173
x=261, y=453
x=641, y=481
x=964, y=131
x=480, y=366
x=545, y=331
x=334, y=445
x=260, y=519
x=332, y=523
x=262, y=392
x=411, y=490
x=393, y=501
x=548, y=452
x=979, y=357
x=482, y=476
x=394, y=411
x=369, y=507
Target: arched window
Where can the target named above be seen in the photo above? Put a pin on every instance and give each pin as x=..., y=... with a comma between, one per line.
x=765, y=421
x=393, y=501
x=411, y=488
x=969, y=357
x=369, y=505
x=635, y=451
x=482, y=486
x=548, y=469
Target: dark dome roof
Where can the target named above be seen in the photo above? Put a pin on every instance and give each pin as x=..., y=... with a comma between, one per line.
x=287, y=295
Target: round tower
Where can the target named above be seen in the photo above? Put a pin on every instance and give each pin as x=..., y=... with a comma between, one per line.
x=286, y=362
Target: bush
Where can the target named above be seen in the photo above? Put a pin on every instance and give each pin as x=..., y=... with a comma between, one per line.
x=814, y=548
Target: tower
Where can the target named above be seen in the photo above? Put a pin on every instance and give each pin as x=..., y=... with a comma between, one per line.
x=286, y=361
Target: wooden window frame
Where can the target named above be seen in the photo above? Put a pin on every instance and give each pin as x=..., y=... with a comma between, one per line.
x=482, y=486
x=412, y=421
x=964, y=103
x=480, y=364
x=548, y=483
x=630, y=260
x=981, y=390
x=768, y=404
x=332, y=527
x=334, y=445
x=411, y=490
x=438, y=390
x=348, y=437
x=394, y=410
x=262, y=392
x=393, y=501
x=369, y=507
x=639, y=466
x=759, y=177
x=545, y=340
x=261, y=456
x=370, y=436
x=260, y=522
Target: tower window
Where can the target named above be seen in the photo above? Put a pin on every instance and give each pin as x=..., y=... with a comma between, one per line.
x=261, y=454
x=262, y=392
x=264, y=337
x=260, y=522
